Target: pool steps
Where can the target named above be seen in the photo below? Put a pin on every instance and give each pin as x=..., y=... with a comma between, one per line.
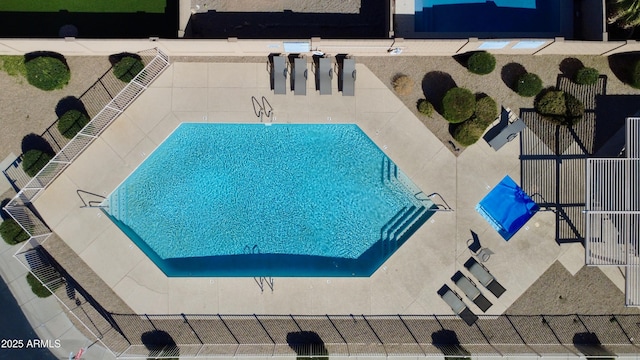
x=404, y=223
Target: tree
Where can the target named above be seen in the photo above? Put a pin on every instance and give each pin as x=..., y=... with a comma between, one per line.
x=625, y=13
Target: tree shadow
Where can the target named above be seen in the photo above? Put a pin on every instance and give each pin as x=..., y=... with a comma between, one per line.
x=569, y=67
x=510, y=74
x=589, y=344
x=622, y=65
x=307, y=345
x=447, y=341
x=115, y=58
x=36, y=142
x=52, y=54
x=69, y=103
x=160, y=344
x=435, y=85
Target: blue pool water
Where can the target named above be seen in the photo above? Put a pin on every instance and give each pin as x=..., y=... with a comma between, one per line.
x=494, y=19
x=507, y=208
x=279, y=200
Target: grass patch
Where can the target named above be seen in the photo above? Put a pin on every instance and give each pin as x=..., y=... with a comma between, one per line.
x=13, y=65
x=99, y=6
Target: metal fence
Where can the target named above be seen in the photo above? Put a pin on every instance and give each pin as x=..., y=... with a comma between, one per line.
x=104, y=101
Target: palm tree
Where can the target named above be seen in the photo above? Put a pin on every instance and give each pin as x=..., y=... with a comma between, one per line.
x=625, y=13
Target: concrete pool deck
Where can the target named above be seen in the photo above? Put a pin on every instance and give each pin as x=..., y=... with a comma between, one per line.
x=405, y=284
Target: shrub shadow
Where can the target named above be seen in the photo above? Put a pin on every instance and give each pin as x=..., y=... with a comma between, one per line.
x=435, y=85
x=160, y=344
x=36, y=142
x=447, y=341
x=70, y=103
x=115, y=58
x=622, y=65
x=37, y=54
x=3, y=214
x=463, y=59
x=510, y=74
x=569, y=67
x=589, y=344
x=307, y=345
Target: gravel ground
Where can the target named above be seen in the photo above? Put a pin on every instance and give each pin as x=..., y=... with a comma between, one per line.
x=434, y=75
x=26, y=109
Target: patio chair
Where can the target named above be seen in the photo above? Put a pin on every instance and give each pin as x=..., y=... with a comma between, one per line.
x=279, y=73
x=509, y=127
x=348, y=77
x=457, y=305
x=300, y=76
x=471, y=291
x=476, y=249
x=325, y=74
x=484, y=277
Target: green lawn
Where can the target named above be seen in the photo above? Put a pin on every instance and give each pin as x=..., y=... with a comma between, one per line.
x=98, y=6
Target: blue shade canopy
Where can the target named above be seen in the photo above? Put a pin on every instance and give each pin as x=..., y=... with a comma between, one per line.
x=507, y=208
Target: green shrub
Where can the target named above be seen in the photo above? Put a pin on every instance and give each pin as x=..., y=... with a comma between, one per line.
x=127, y=68
x=468, y=132
x=529, y=84
x=587, y=76
x=425, y=107
x=47, y=73
x=36, y=286
x=481, y=63
x=12, y=233
x=34, y=160
x=71, y=122
x=458, y=105
x=560, y=107
x=13, y=65
x=486, y=110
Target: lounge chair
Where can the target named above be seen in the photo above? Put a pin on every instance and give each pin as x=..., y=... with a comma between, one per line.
x=484, y=277
x=325, y=74
x=457, y=305
x=511, y=125
x=471, y=291
x=279, y=73
x=300, y=76
x=348, y=77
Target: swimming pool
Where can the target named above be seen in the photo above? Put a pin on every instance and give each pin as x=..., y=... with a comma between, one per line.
x=494, y=19
x=258, y=200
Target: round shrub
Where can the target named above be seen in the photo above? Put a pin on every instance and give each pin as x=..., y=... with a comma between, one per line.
x=12, y=233
x=127, y=68
x=481, y=63
x=425, y=107
x=34, y=160
x=529, y=84
x=47, y=73
x=458, y=105
x=587, y=76
x=71, y=122
x=468, y=132
x=402, y=84
x=36, y=286
x=560, y=107
x=486, y=110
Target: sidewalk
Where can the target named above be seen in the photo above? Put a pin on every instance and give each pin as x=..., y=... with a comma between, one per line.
x=46, y=316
